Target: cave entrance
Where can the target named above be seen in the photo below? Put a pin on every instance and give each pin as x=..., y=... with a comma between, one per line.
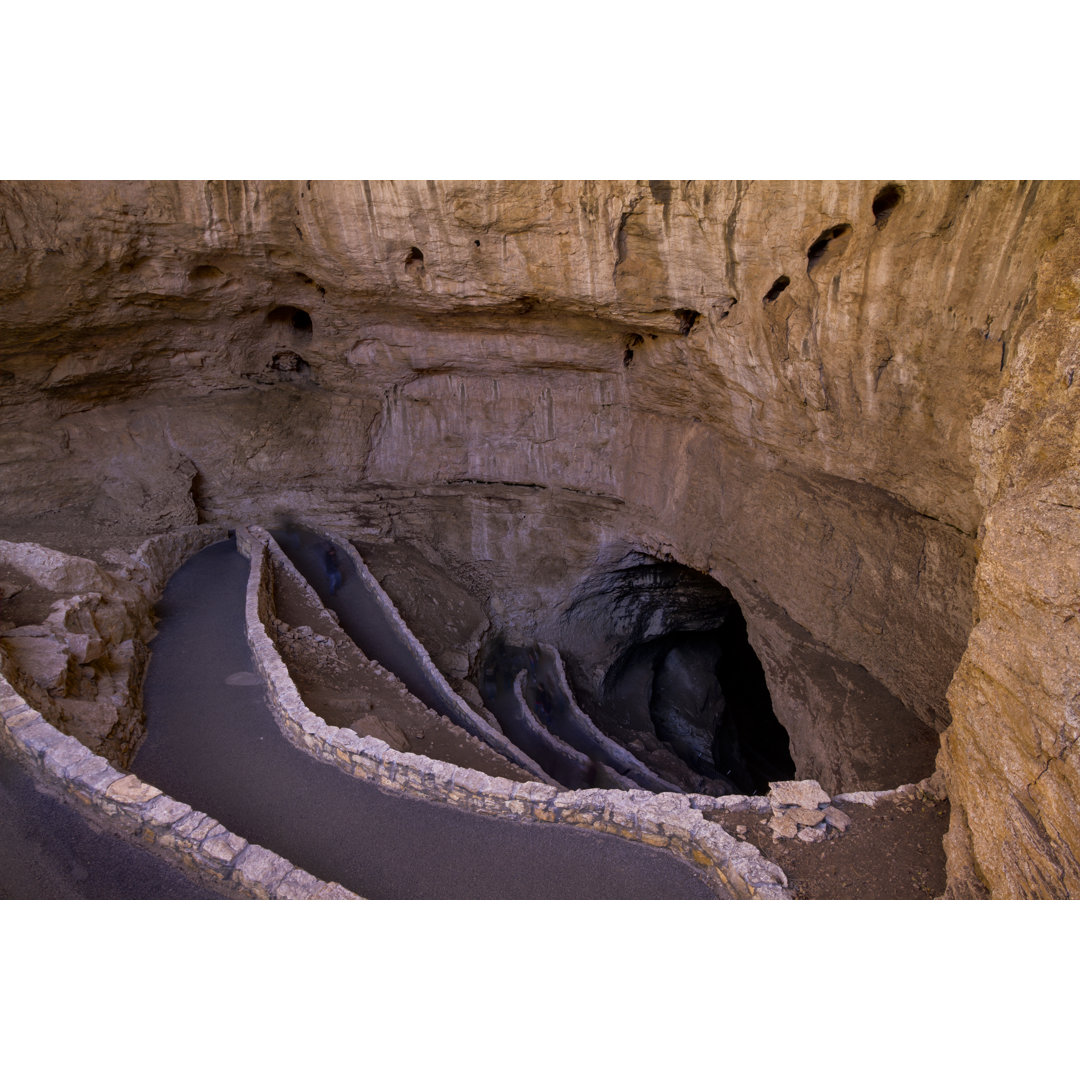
x=707, y=702
x=660, y=656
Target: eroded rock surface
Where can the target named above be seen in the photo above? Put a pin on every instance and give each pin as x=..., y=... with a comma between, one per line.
x=853, y=404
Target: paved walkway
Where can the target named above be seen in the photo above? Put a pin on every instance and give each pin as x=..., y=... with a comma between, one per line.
x=49, y=851
x=212, y=742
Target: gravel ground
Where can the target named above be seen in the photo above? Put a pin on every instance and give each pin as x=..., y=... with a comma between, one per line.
x=891, y=851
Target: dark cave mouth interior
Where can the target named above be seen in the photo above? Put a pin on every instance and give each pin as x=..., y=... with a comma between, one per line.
x=681, y=686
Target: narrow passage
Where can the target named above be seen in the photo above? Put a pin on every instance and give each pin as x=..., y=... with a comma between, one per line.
x=212, y=742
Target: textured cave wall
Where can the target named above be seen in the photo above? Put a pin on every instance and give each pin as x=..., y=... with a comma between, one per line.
x=528, y=380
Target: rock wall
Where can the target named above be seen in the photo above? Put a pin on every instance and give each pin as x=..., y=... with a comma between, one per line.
x=1010, y=755
x=76, y=633
x=839, y=399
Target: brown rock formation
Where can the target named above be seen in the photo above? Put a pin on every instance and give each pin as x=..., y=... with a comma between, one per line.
x=853, y=404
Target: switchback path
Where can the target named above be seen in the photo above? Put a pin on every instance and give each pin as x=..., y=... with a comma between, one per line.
x=212, y=742
x=49, y=851
x=360, y=617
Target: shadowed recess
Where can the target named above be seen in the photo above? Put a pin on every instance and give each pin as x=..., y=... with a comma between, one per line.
x=293, y=317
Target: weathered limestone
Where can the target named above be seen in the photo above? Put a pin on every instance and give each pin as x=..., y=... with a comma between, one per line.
x=82, y=664
x=836, y=412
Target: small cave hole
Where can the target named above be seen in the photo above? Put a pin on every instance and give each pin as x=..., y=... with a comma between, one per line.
x=415, y=258
x=777, y=287
x=687, y=317
x=628, y=358
x=885, y=202
x=293, y=317
x=205, y=275
x=476, y=242
x=197, y=492
x=825, y=244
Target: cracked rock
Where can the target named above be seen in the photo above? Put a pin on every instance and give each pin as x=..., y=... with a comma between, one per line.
x=808, y=794
x=783, y=827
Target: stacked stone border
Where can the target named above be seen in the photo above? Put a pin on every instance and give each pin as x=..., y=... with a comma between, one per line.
x=667, y=820
x=119, y=802
x=633, y=768
x=548, y=739
x=282, y=565
x=453, y=705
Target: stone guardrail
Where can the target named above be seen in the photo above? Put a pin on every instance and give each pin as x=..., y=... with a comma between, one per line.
x=451, y=704
x=618, y=756
x=119, y=801
x=123, y=803
x=666, y=820
x=282, y=564
x=575, y=763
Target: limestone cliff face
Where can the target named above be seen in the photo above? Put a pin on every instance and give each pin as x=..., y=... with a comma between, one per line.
x=851, y=403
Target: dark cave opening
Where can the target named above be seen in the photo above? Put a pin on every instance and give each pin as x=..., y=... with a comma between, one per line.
x=885, y=202
x=710, y=704
x=687, y=319
x=777, y=287
x=205, y=274
x=295, y=318
x=658, y=657
x=827, y=244
x=707, y=701
x=658, y=654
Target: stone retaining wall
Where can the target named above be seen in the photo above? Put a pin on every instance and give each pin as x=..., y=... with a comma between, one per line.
x=618, y=756
x=122, y=803
x=451, y=703
x=282, y=566
x=573, y=760
x=119, y=801
x=667, y=820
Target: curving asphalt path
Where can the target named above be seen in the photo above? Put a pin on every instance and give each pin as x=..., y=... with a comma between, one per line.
x=49, y=851
x=212, y=742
